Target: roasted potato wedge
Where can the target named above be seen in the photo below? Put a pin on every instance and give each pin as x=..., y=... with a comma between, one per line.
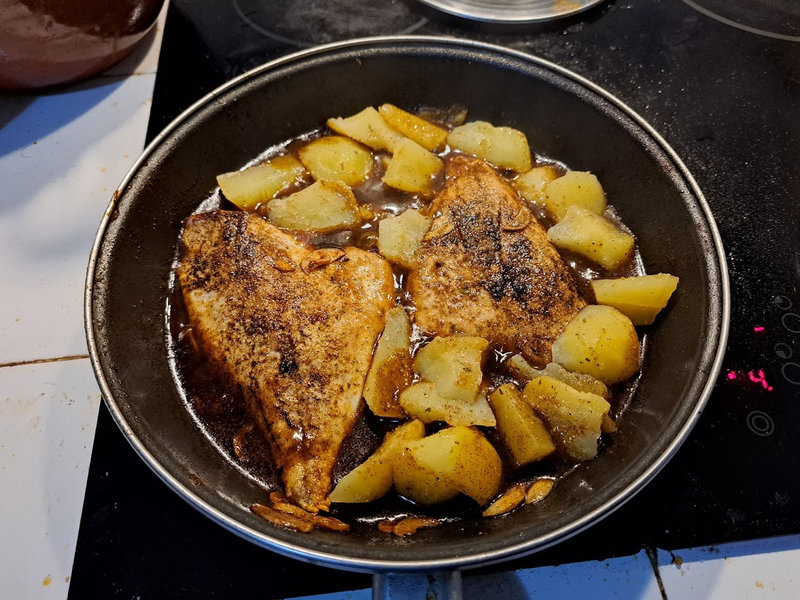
x=532, y=184
x=523, y=432
x=504, y=147
x=412, y=168
x=522, y=370
x=399, y=237
x=367, y=127
x=422, y=401
x=426, y=134
x=391, y=370
x=463, y=458
x=599, y=341
x=575, y=418
x=260, y=183
x=454, y=365
x=416, y=481
x=592, y=236
x=323, y=206
x=373, y=478
x=574, y=188
x=640, y=298
x=338, y=158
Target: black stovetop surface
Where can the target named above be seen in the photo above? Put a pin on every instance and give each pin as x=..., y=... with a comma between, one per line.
x=726, y=99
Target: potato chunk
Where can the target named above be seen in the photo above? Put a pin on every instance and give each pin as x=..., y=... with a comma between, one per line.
x=399, y=237
x=426, y=134
x=373, y=478
x=453, y=364
x=600, y=341
x=504, y=147
x=417, y=481
x=462, y=458
x=391, y=370
x=322, y=206
x=412, y=168
x=336, y=157
x=640, y=298
x=422, y=401
x=522, y=370
x=258, y=184
x=367, y=127
x=523, y=432
x=592, y=236
x=574, y=188
x=531, y=184
x=575, y=418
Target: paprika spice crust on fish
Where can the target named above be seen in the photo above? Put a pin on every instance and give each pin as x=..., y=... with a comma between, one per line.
x=293, y=328
x=486, y=268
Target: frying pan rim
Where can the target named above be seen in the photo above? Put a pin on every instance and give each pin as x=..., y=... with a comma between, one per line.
x=332, y=559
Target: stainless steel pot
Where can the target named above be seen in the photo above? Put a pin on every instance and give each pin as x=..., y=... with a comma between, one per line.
x=564, y=116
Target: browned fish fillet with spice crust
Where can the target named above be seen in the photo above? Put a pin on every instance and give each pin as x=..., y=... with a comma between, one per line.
x=293, y=328
x=486, y=268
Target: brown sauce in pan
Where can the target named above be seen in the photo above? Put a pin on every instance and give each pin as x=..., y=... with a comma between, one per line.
x=221, y=413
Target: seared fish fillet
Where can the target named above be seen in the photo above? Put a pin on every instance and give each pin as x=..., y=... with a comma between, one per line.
x=293, y=328
x=486, y=268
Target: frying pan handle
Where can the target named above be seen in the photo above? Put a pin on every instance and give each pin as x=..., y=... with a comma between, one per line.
x=442, y=585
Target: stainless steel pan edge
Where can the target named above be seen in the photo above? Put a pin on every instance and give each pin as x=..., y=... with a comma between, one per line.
x=297, y=547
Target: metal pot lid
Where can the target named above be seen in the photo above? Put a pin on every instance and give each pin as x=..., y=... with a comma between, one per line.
x=511, y=11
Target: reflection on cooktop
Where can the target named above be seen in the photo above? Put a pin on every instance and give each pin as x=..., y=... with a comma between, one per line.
x=779, y=19
x=308, y=22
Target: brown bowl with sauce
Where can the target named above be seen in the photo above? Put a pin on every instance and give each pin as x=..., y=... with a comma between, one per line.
x=51, y=42
x=134, y=315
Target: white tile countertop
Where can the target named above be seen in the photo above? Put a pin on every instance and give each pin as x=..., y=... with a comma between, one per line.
x=62, y=153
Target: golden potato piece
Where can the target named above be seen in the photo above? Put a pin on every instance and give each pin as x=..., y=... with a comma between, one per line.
x=575, y=418
x=574, y=188
x=399, y=237
x=422, y=401
x=608, y=425
x=523, y=432
x=416, y=481
x=258, y=184
x=336, y=157
x=322, y=206
x=462, y=458
x=412, y=168
x=600, y=341
x=426, y=134
x=454, y=365
x=531, y=184
x=523, y=371
x=592, y=236
x=373, y=478
x=367, y=127
x=391, y=370
x=640, y=298
x=504, y=147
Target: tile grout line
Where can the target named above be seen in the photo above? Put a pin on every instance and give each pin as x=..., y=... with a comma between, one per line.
x=39, y=361
x=652, y=555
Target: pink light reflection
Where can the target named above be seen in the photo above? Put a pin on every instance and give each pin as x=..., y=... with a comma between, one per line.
x=758, y=329
x=754, y=376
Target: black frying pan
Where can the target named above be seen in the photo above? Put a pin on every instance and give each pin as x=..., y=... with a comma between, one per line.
x=565, y=117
